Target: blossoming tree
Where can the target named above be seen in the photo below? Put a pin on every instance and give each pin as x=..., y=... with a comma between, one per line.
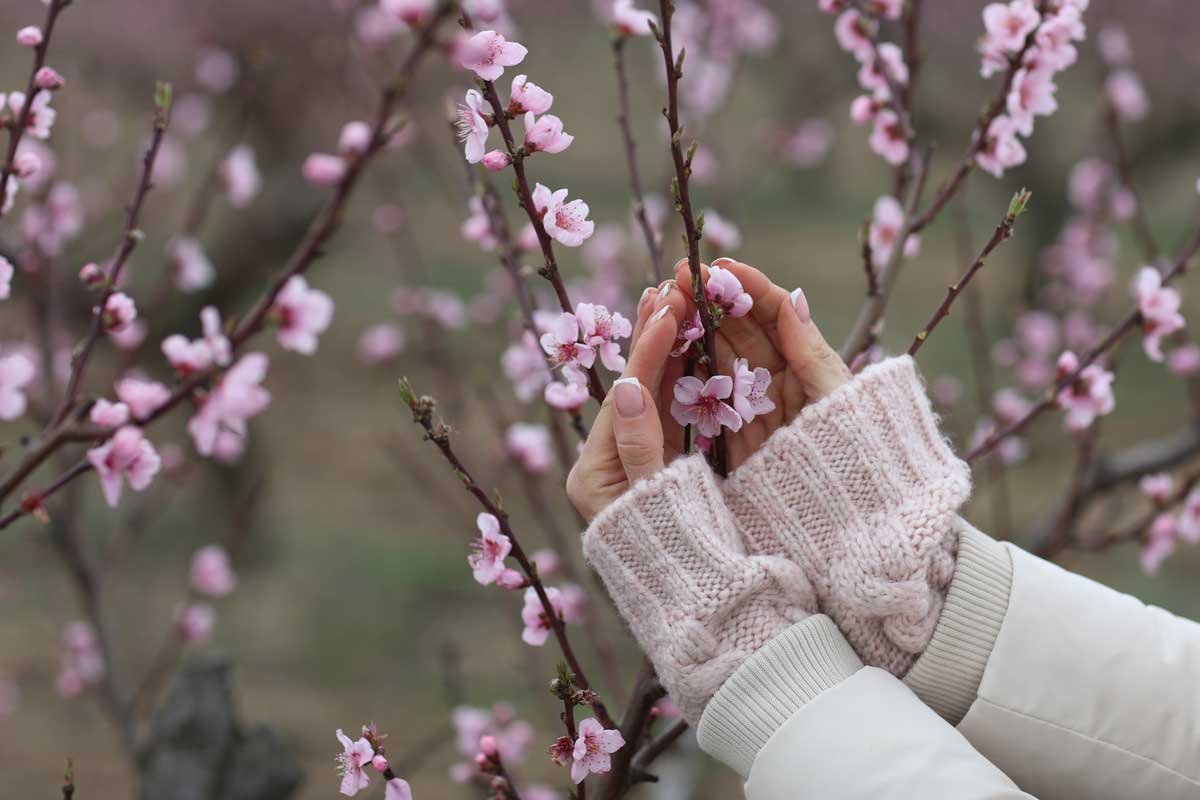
x=567, y=339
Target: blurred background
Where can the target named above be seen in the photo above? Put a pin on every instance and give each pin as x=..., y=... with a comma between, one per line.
x=348, y=534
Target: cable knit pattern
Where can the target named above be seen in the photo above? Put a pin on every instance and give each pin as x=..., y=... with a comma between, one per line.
x=861, y=490
x=672, y=558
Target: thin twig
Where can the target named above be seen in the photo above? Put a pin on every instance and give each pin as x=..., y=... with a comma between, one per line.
x=1140, y=223
x=635, y=182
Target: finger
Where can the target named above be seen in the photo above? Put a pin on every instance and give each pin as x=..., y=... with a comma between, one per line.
x=809, y=357
x=638, y=430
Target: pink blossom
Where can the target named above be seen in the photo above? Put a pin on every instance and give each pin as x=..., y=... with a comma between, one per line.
x=119, y=311
x=91, y=275
x=27, y=164
x=854, y=34
x=750, y=390
x=546, y=560
x=48, y=78
x=237, y=397
x=477, y=227
x=473, y=126
x=720, y=232
x=490, y=550
x=322, y=169
x=888, y=138
x=410, y=12
x=487, y=53
x=240, y=176
x=630, y=21
x=195, y=622
x=562, y=344
x=529, y=445
x=1001, y=148
x=524, y=364
x=886, y=223
x=538, y=626
x=83, y=663
x=692, y=330
x=1009, y=450
x=212, y=574
x=1184, y=361
x=593, y=748
x=568, y=396
x=496, y=160
x=380, y=343
x=16, y=373
x=190, y=267
x=216, y=69
x=6, y=276
x=1009, y=23
x=574, y=602
x=1009, y=406
x=1188, y=524
x=526, y=97
x=1054, y=37
x=601, y=329
x=126, y=456
x=1032, y=94
x=29, y=36
x=875, y=71
x=1157, y=487
x=565, y=222
x=1127, y=95
x=545, y=134
x=1037, y=332
x=1113, y=44
x=355, y=139
x=700, y=403
x=724, y=292
x=304, y=313
x=1159, y=545
x=1159, y=308
x=397, y=789
x=1088, y=397
x=946, y=391
x=109, y=414
x=143, y=397
x=864, y=108
x=352, y=764
x=41, y=115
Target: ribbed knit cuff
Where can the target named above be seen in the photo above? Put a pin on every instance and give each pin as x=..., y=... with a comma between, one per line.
x=775, y=683
x=947, y=676
x=862, y=491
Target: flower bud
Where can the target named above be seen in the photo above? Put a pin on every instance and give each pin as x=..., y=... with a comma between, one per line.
x=496, y=160
x=380, y=763
x=27, y=164
x=29, y=37
x=91, y=275
x=355, y=138
x=321, y=169
x=47, y=78
x=488, y=747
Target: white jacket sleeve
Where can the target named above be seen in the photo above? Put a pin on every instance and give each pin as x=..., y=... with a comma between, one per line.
x=803, y=718
x=1072, y=689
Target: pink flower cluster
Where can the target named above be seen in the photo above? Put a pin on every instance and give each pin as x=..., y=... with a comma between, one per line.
x=1090, y=396
x=353, y=761
x=573, y=340
x=1159, y=309
x=722, y=401
x=504, y=735
x=1166, y=529
x=82, y=661
x=884, y=232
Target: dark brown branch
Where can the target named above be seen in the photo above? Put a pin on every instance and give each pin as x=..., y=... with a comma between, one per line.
x=635, y=182
x=657, y=746
x=646, y=692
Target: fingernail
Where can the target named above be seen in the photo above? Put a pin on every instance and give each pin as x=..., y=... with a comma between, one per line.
x=801, y=304
x=628, y=393
x=662, y=312
x=665, y=287
x=645, y=296
x=722, y=261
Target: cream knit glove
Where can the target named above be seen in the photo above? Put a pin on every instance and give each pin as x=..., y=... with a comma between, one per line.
x=670, y=554
x=862, y=491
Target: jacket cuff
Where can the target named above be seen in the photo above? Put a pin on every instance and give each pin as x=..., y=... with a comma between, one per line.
x=947, y=675
x=776, y=682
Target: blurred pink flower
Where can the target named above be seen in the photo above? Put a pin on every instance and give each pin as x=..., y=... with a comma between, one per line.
x=352, y=763
x=109, y=414
x=216, y=69
x=410, y=12
x=1157, y=487
x=41, y=115
x=119, y=311
x=190, y=267
x=875, y=71
x=473, y=126
x=574, y=602
x=593, y=748
x=6, y=276
x=537, y=625
x=142, y=396
x=322, y=169
x=568, y=396
x=701, y=404
x=1159, y=307
x=888, y=139
x=631, y=21
x=1184, y=361
x=854, y=34
x=750, y=390
x=354, y=139
x=1089, y=397
x=720, y=232
x=126, y=457
x=29, y=36
x=16, y=373
x=195, y=622
x=212, y=574
x=1032, y=94
x=397, y=789
x=884, y=231
x=487, y=53
x=1127, y=95
x=47, y=78
x=1188, y=524
x=490, y=550
x=546, y=560
x=1008, y=24
x=524, y=364
x=380, y=343
x=1001, y=148
x=529, y=445
x=240, y=176
x=304, y=313
x=1159, y=544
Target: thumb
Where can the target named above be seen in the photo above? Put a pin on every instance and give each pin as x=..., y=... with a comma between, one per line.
x=637, y=429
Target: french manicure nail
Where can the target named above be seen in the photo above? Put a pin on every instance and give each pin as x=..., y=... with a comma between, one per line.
x=665, y=287
x=722, y=261
x=645, y=296
x=800, y=302
x=628, y=395
x=662, y=312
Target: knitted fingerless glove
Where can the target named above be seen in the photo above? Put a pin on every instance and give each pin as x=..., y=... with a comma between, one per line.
x=670, y=554
x=862, y=491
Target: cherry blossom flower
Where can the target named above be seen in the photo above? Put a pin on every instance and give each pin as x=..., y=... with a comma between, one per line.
x=109, y=414
x=496, y=160
x=82, y=662
x=692, y=330
x=6, y=276
x=1188, y=523
x=1089, y=397
x=750, y=390
x=875, y=71
x=537, y=625
x=119, y=312
x=410, y=12
x=724, y=292
x=526, y=97
x=237, y=397
x=1184, y=361
x=886, y=223
x=380, y=343
x=545, y=134
x=630, y=21
x=720, y=232
x=1001, y=148
x=565, y=222
x=29, y=36
x=888, y=139
x=524, y=364
x=487, y=53
x=323, y=169
x=355, y=139
x=1157, y=487
x=529, y=445
x=195, y=622
x=601, y=329
x=126, y=457
x=240, y=176
x=304, y=313
x=397, y=789
x=593, y=748
x=1159, y=545
x=143, y=397
x=562, y=344
x=352, y=764
x=568, y=396
x=491, y=548
x=216, y=69
x=473, y=126
x=211, y=573
x=701, y=404
x=1113, y=44
x=48, y=78
x=41, y=115
x=1009, y=23
x=1055, y=35
x=546, y=560
x=16, y=373
x=1127, y=95
x=1159, y=308
x=190, y=267
x=1032, y=94
x=854, y=34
